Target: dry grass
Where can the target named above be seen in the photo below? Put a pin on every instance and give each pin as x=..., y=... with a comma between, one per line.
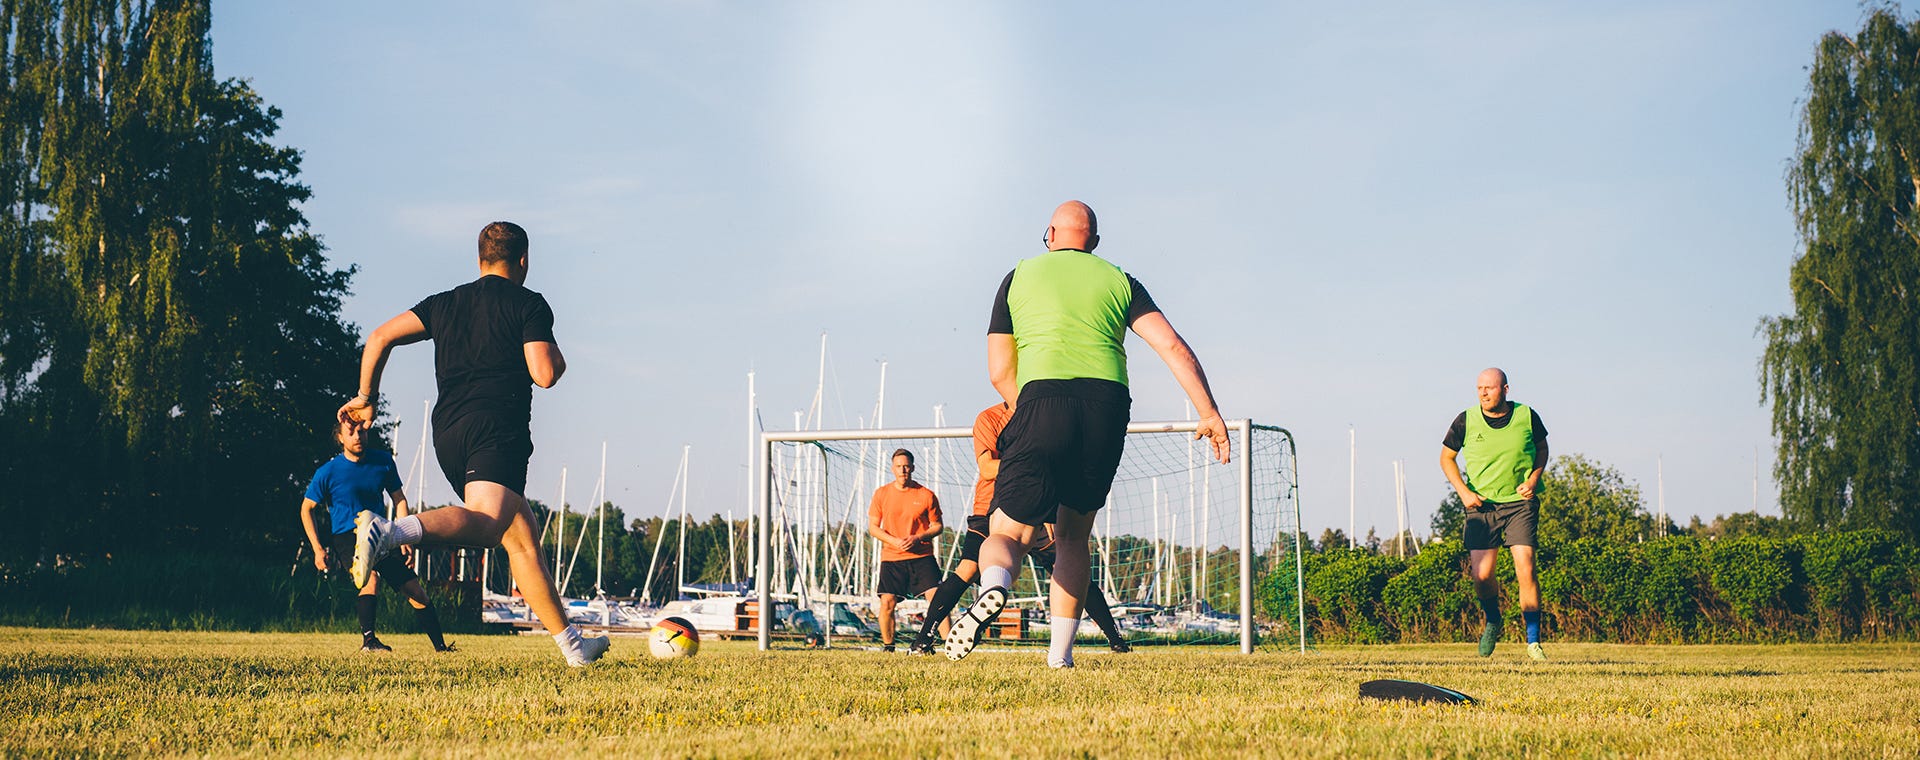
x=66, y=692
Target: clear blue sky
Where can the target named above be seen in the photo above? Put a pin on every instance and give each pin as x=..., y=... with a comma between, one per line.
x=1348, y=210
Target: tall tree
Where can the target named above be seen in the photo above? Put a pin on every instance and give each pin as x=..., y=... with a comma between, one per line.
x=172, y=345
x=1843, y=369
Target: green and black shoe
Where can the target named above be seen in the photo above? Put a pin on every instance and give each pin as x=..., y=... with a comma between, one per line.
x=1489, y=636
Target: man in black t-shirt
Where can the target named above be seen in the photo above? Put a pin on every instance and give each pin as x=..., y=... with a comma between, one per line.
x=493, y=339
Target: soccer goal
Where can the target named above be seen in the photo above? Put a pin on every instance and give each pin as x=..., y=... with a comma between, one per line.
x=1180, y=550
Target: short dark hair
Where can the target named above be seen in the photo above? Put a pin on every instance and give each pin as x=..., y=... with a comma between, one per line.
x=502, y=243
x=902, y=453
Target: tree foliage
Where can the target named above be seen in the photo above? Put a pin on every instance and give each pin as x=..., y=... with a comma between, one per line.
x=1842, y=370
x=170, y=340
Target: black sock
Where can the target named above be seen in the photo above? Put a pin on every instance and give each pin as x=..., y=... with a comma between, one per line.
x=1102, y=615
x=363, y=607
x=1490, y=608
x=429, y=621
x=945, y=598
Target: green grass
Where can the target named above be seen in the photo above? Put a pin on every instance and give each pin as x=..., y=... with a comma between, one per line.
x=66, y=692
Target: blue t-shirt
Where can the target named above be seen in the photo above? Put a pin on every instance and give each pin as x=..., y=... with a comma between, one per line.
x=346, y=487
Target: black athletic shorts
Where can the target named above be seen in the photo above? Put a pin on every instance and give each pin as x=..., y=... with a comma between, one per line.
x=484, y=447
x=1508, y=524
x=1061, y=448
x=908, y=577
x=976, y=535
x=393, y=569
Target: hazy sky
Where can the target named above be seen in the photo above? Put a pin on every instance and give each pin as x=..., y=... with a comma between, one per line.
x=1347, y=210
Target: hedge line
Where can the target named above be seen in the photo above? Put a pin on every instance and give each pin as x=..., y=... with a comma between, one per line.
x=191, y=591
x=1822, y=587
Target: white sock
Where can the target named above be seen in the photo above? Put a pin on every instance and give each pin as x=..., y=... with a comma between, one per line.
x=996, y=577
x=1060, y=643
x=567, y=638
x=407, y=531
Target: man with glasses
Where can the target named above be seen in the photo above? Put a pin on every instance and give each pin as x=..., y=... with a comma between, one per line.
x=1056, y=353
x=904, y=518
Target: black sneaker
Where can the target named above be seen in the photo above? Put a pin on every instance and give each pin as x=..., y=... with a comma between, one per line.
x=447, y=647
x=373, y=645
x=1120, y=647
x=886, y=647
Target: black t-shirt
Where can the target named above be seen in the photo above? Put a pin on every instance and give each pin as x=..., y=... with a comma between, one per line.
x=1001, y=322
x=479, y=333
x=1457, y=433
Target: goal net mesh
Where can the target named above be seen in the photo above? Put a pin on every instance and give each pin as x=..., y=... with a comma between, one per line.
x=1166, y=547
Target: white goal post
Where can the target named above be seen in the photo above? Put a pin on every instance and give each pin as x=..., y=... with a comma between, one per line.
x=797, y=504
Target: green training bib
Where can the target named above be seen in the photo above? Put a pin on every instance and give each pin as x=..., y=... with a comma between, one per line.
x=1499, y=460
x=1069, y=312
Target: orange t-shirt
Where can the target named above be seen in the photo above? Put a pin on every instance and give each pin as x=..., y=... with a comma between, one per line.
x=986, y=439
x=905, y=512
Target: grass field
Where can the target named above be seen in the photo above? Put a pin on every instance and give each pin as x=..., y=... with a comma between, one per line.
x=65, y=692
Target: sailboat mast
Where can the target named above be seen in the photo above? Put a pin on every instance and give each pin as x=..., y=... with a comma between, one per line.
x=600, y=504
x=754, y=479
x=681, y=564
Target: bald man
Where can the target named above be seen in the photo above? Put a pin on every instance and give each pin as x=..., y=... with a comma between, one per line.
x=1056, y=353
x=1505, y=446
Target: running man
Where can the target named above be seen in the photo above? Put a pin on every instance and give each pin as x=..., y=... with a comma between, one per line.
x=1056, y=353
x=986, y=451
x=492, y=340
x=347, y=485
x=1505, y=445
x=904, y=518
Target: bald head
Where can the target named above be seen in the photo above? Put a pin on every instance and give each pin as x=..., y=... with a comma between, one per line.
x=1073, y=226
x=1492, y=389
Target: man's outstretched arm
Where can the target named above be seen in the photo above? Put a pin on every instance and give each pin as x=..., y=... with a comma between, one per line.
x=399, y=331
x=1154, y=328
x=307, y=506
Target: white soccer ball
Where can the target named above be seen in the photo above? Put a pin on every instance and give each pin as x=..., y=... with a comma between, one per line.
x=673, y=637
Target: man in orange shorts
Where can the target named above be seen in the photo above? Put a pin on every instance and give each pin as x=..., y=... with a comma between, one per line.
x=904, y=517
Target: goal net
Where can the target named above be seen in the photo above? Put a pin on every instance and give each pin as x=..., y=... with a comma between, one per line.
x=1180, y=549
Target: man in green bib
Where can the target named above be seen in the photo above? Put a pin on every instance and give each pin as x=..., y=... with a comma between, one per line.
x=1505, y=445
x=1056, y=352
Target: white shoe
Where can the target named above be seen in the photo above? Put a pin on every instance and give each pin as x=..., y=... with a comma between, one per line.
x=972, y=625
x=585, y=650
x=1060, y=664
x=372, y=542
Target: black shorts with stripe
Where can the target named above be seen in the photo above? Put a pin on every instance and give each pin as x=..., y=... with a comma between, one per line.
x=485, y=447
x=1061, y=448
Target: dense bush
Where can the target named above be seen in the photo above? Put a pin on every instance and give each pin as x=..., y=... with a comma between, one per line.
x=1820, y=587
